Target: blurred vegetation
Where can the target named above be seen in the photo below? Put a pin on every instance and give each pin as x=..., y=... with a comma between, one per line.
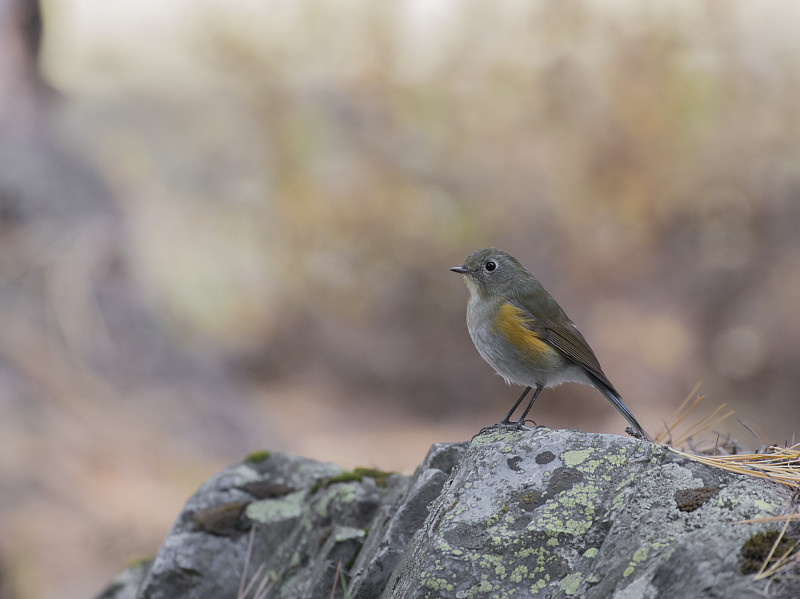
x=244, y=204
x=314, y=166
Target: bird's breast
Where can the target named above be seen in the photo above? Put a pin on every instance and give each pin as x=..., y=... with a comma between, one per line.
x=503, y=338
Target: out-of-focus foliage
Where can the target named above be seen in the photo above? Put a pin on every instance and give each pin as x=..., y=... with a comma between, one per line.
x=271, y=193
x=298, y=185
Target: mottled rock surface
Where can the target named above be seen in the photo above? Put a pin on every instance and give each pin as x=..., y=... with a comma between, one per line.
x=564, y=514
x=529, y=513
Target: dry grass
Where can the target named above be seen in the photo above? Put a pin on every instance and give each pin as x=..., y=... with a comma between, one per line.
x=775, y=463
x=262, y=580
x=679, y=431
x=683, y=436
x=780, y=464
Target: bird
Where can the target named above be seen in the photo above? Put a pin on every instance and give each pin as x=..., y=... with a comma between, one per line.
x=521, y=331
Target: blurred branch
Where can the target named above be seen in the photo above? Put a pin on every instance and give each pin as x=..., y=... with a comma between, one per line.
x=22, y=90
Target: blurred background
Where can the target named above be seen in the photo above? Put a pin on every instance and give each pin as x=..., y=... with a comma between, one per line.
x=226, y=226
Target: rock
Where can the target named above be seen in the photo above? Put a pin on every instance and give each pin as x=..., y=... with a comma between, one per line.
x=288, y=520
x=564, y=514
x=524, y=513
x=128, y=583
x=398, y=520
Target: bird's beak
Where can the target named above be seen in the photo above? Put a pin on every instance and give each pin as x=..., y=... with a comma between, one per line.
x=461, y=270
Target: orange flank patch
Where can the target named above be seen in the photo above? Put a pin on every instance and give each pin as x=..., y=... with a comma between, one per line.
x=510, y=322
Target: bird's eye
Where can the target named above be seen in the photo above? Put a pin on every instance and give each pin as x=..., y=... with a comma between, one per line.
x=491, y=265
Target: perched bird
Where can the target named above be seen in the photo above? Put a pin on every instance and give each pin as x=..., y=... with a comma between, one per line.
x=520, y=330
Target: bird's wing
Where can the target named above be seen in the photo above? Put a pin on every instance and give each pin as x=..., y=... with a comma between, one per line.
x=553, y=327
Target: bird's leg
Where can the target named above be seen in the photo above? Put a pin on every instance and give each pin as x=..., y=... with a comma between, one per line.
x=507, y=418
x=530, y=403
x=506, y=421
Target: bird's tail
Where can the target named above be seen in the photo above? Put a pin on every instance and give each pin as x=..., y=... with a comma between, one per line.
x=616, y=401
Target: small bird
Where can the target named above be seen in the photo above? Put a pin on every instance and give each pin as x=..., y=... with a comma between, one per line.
x=520, y=330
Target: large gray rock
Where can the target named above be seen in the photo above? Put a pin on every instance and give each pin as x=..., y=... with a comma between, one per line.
x=513, y=514
x=399, y=519
x=564, y=514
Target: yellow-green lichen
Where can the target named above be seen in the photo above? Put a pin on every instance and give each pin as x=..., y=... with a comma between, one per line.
x=519, y=573
x=538, y=585
x=246, y=474
x=763, y=505
x=508, y=437
x=577, y=456
x=495, y=518
x=638, y=557
x=484, y=585
x=570, y=583
x=626, y=481
x=555, y=517
x=342, y=494
x=443, y=546
x=591, y=552
x=590, y=466
x=580, y=496
x=617, y=460
x=276, y=510
x=439, y=584
x=656, y=545
x=489, y=561
x=345, y=533
x=572, y=527
x=628, y=571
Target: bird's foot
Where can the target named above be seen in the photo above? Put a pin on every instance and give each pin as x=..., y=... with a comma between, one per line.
x=497, y=427
x=517, y=424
